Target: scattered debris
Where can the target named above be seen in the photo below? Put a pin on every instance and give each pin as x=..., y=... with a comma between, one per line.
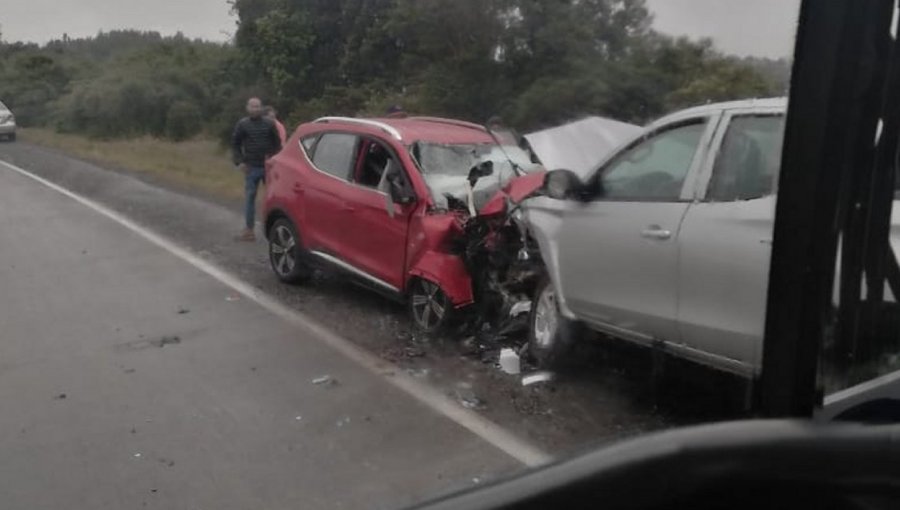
x=253, y=369
x=326, y=381
x=167, y=462
x=166, y=340
x=471, y=403
x=298, y=418
x=413, y=351
x=410, y=350
x=61, y=396
x=133, y=430
x=420, y=373
x=537, y=377
x=509, y=362
x=84, y=252
x=129, y=370
x=343, y=421
x=520, y=308
x=183, y=311
x=137, y=455
x=467, y=397
x=476, y=480
x=231, y=298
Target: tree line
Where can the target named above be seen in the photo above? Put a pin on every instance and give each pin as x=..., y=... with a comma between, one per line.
x=533, y=62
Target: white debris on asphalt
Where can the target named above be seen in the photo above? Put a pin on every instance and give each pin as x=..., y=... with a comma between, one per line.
x=537, y=377
x=509, y=362
x=325, y=380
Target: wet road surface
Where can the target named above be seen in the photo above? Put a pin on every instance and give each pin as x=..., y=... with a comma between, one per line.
x=604, y=397
x=129, y=377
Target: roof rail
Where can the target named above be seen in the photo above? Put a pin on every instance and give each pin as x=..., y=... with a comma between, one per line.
x=452, y=122
x=364, y=122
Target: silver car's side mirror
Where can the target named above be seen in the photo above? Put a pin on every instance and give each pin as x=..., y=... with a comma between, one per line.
x=563, y=184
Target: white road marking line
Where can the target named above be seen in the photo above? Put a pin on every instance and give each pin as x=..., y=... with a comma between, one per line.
x=487, y=430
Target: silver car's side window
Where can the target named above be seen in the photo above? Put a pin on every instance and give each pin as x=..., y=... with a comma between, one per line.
x=749, y=160
x=655, y=168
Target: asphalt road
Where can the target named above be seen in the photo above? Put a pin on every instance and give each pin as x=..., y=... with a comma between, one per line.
x=131, y=378
x=222, y=404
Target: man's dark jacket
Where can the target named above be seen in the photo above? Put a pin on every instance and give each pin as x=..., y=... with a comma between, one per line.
x=254, y=140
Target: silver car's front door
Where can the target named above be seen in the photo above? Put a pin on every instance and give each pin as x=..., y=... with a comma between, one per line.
x=725, y=243
x=618, y=254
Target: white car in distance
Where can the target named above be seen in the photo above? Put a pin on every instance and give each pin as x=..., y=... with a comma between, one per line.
x=7, y=124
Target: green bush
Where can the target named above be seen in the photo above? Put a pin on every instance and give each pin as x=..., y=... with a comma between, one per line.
x=183, y=121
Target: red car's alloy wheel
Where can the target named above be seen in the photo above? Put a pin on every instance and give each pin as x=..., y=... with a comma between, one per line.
x=429, y=306
x=285, y=254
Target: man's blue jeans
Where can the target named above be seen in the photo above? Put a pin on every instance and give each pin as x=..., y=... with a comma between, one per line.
x=255, y=175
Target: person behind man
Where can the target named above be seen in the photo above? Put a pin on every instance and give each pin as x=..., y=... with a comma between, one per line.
x=272, y=115
x=396, y=112
x=255, y=139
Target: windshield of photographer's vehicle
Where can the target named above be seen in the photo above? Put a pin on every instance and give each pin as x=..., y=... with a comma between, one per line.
x=239, y=265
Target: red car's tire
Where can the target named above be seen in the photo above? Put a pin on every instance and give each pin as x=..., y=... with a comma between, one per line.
x=429, y=307
x=286, y=255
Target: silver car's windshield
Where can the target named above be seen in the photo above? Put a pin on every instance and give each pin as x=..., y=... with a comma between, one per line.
x=446, y=167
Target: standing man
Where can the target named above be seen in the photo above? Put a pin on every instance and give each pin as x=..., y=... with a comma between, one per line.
x=272, y=115
x=255, y=139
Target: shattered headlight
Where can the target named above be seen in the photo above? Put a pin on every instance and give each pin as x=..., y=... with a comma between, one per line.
x=7, y=118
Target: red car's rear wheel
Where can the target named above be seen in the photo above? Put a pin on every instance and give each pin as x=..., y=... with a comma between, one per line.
x=285, y=253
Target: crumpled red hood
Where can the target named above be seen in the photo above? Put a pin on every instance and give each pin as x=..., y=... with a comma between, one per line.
x=516, y=190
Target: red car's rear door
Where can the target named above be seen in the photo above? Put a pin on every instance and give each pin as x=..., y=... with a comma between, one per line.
x=324, y=197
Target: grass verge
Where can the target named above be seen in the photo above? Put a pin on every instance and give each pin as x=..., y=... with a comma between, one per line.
x=199, y=164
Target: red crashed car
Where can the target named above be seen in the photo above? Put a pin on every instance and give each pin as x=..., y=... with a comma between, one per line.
x=419, y=209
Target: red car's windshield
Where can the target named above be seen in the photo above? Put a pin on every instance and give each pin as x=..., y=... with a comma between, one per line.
x=446, y=167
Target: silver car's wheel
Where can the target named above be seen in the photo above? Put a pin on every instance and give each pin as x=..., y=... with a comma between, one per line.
x=285, y=253
x=429, y=307
x=550, y=335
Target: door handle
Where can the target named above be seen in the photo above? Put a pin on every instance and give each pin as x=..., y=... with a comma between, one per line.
x=656, y=233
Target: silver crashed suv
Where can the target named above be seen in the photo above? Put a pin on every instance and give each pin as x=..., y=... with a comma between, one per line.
x=7, y=123
x=668, y=242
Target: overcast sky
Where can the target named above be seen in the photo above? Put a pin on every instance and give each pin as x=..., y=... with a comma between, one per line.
x=43, y=20
x=743, y=27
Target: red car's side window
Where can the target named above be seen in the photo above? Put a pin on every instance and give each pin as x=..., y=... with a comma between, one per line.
x=335, y=154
